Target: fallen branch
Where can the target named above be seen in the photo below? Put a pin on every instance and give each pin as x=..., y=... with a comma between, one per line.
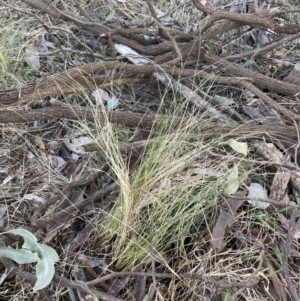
x=207, y=129
x=260, y=80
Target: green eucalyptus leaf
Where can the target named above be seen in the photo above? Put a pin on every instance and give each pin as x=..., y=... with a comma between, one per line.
x=30, y=241
x=45, y=267
x=20, y=256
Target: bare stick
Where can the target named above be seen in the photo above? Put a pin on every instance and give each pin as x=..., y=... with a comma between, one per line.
x=286, y=252
x=153, y=287
x=256, y=162
x=146, y=274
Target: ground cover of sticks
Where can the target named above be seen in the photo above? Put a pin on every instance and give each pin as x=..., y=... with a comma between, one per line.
x=153, y=145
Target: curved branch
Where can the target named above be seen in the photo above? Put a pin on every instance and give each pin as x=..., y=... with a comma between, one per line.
x=252, y=20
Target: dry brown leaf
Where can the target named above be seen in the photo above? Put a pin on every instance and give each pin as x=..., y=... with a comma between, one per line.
x=276, y=282
x=140, y=288
x=279, y=184
x=227, y=212
x=82, y=237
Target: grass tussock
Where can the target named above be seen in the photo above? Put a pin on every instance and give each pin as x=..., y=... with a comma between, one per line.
x=173, y=191
x=15, y=37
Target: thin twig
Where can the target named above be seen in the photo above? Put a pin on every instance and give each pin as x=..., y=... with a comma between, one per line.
x=65, y=49
x=146, y=274
x=263, y=49
x=253, y=241
x=82, y=11
x=153, y=286
x=165, y=33
x=256, y=162
x=250, y=282
x=267, y=200
x=44, y=221
x=286, y=252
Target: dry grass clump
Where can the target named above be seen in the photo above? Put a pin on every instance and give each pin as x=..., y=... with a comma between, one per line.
x=17, y=32
x=166, y=207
